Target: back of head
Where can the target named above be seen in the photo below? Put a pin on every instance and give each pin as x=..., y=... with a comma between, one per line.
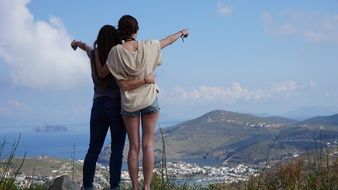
x=127, y=26
x=107, y=38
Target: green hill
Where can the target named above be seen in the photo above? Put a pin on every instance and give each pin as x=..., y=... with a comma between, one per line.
x=240, y=138
x=237, y=138
x=323, y=120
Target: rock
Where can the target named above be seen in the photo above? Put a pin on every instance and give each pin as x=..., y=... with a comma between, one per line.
x=64, y=183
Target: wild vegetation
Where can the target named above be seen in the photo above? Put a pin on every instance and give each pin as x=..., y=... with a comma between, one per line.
x=10, y=168
x=314, y=170
x=317, y=168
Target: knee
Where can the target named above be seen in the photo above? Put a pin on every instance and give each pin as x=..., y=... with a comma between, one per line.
x=94, y=150
x=147, y=147
x=134, y=148
x=117, y=148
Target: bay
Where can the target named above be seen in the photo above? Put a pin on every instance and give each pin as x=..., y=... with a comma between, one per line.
x=62, y=144
x=53, y=144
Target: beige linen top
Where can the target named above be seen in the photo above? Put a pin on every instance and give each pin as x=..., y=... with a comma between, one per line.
x=132, y=65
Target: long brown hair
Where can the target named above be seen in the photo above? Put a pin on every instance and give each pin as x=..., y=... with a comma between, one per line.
x=107, y=38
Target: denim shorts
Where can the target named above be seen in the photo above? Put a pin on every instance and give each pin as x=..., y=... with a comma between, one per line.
x=154, y=107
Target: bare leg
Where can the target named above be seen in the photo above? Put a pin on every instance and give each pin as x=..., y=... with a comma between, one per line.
x=132, y=126
x=148, y=127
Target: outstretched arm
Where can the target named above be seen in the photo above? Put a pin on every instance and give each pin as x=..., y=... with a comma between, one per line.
x=126, y=85
x=173, y=37
x=85, y=47
x=103, y=71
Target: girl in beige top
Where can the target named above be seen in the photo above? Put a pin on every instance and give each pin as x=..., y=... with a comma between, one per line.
x=130, y=61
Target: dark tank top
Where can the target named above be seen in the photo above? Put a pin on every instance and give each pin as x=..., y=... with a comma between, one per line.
x=106, y=86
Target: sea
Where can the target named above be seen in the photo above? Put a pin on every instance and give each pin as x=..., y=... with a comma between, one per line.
x=70, y=144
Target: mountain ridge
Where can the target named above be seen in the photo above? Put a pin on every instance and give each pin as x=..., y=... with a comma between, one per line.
x=239, y=137
x=323, y=120
x=221, y=134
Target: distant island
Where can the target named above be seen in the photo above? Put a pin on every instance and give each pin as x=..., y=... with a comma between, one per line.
x=50, y=128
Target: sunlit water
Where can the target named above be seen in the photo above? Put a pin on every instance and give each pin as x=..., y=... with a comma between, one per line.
x=61, y=144
x=54, y=144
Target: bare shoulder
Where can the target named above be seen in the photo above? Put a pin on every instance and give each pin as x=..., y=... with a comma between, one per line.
x=130, y=46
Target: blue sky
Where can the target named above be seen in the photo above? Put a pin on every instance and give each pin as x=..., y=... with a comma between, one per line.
x=274, y=57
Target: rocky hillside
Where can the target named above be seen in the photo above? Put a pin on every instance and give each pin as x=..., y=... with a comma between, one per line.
x=242, y=138
x=237, y=137
x=217, y=134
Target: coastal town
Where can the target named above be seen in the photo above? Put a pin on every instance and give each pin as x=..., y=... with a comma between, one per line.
x=203, y=175
x=178, y=172
x=44, y=170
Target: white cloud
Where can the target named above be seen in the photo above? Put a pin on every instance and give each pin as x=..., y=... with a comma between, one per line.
x=285, y=87
x=235, y=93
x=278, y=30
x=202, y=94
x=224, y=9
x=313, y=36
x=12, y=106
x=16, y=104
x=311, y=26
x=38, y=53
x=312, y=84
